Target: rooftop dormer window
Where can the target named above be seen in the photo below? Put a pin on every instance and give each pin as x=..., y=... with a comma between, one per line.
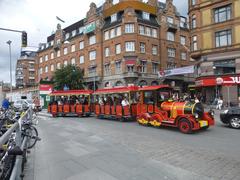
x=113, y=17
x=145, y=15
x=170, y=20
x=67, y=35
x=81, y=30
x=73, y=33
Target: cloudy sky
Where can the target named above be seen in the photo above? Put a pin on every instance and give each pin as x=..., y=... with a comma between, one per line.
x=38, y=19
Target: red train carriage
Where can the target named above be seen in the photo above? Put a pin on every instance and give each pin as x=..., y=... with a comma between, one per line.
x=156, y=109
x=116, y=103
x=70, y=103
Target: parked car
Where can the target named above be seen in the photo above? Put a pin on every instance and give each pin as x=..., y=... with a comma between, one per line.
x=23, y=104
x=231, y=116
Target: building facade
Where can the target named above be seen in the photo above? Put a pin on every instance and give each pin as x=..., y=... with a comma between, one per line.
x=25, y=68
x=119, y=43
x=215, y=44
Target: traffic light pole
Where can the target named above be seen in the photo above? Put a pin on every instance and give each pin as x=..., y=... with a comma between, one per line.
x=5, y=29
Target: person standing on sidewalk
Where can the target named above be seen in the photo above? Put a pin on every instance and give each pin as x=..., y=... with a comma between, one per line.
x=219, y=103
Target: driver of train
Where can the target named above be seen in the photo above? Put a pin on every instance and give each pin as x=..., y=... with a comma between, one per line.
x=125, y=101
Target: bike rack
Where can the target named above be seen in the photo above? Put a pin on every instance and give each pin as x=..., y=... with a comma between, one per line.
x=17, y=169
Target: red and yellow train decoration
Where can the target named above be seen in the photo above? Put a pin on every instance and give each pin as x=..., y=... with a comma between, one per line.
x=150, y=105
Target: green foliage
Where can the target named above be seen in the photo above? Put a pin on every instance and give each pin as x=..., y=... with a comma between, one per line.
x=71, y=76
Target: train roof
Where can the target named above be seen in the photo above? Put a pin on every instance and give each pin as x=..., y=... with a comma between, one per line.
x=151, y=88
x=71, y=92
x=116, y=90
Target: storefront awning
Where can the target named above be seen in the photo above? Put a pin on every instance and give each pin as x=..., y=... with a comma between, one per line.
x=130, y=62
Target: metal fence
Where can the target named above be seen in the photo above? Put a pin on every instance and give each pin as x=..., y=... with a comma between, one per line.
x=16, y=127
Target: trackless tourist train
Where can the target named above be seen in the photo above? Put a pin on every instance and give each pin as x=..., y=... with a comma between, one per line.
x=149, y=105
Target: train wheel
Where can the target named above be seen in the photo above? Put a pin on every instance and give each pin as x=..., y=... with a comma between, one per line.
x=185, y=126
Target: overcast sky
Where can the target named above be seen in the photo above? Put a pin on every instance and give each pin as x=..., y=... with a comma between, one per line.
x=38, y=19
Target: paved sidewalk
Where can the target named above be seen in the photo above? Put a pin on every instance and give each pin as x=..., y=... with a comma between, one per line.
x=70, y=150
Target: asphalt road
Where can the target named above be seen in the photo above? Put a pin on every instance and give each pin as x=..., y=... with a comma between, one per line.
x=89, y=148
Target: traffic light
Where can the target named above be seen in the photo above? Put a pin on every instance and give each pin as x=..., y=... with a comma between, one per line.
x=24, y=39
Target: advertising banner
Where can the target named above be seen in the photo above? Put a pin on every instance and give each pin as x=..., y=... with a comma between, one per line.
x=176, y=71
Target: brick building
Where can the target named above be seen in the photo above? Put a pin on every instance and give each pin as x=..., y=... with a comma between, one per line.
x=120, y=43
x=25, y=68
x=215, y=44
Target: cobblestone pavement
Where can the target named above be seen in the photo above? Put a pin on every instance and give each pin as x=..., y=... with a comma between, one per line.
x=89, y=148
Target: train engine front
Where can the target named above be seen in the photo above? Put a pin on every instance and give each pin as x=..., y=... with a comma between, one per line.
x=188, y=116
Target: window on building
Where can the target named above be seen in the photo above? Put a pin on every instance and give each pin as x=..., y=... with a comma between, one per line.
x=52, y=67
x=112, y=33
x=193, y=2
x=65, y=50
x=118, y=66
x=73, y=33
x=154, y=33
x=81, y=59
x=119, y=31
x=46, y=57
x=46, y=69
x=222, y=14
x=106, y=35
x=73, y=48
x=146, y=15
x=154, y=68
x=224, y=67
x=118, y=48
x=92, y=55
x=67, y=36
x=129, y=28
x=58, y=65
x=73, y=61
x=171, y=52
x=170, y=20
x=59, y=41
x=223, y=38
x=130, y=46
x=52, y=55
x=141, y=30
x=81, y=29
x=81, y=44
x=65, y=63
x=183, y=22
x=143, y=66
x=183, y=40
x=183, y=56
x=194, y=21
x=51, y=43
x=107, y=52
x=154, y=50
x=194, y=43
x=107, y=70
x=148, y=31
x=40, y=60
x=40, y=71
x=92, y=71
x=92, y=39
x=58, y=53
x=130, y=68
x=170, y=36
x=142, y=47
x=113, y=17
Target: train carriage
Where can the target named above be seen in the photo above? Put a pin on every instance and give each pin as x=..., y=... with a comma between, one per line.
x=157, y=109
x=70, y=103
x=108, y=103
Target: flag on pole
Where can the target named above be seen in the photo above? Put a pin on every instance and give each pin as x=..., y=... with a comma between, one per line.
x=58, y=18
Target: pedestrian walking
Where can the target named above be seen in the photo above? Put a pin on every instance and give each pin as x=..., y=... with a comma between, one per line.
x=219, y=103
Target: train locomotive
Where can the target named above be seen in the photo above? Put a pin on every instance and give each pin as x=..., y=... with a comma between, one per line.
x=187, y=116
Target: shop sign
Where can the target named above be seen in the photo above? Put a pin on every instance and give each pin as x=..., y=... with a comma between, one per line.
x=212, y=81
x=89, y=28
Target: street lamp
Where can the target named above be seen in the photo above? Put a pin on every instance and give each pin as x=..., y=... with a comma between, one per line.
x=10, y=57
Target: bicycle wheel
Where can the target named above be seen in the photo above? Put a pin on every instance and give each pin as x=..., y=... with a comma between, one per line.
x=32, y=135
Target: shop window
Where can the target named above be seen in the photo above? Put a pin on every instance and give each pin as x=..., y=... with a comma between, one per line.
x=224, y=67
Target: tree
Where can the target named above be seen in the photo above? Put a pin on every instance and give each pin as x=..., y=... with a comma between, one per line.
x=70, y=76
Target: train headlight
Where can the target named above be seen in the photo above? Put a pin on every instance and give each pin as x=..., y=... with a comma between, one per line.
x=196, y=116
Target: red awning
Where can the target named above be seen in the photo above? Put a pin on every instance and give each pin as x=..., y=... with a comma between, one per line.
x=130, y=62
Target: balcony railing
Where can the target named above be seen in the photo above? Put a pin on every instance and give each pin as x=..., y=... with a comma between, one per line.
x=130, y=75
x=172, y=27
